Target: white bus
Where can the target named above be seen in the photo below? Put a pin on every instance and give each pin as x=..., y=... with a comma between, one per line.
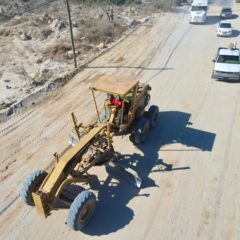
x=198, y=12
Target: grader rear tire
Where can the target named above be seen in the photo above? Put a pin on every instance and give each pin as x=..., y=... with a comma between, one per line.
x=141, y=130
x=152, y=115
x=81, y=210
x=31, y=184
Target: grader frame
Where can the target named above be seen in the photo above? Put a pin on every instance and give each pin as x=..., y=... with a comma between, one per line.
x=93, y=148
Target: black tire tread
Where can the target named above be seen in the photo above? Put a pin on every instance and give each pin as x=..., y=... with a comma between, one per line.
x=140, y=124
x=76, y=207
x=30, y=185
x=150, y=114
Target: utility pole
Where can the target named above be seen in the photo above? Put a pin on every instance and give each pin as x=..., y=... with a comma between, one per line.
x=170, y=5
x=71, y=32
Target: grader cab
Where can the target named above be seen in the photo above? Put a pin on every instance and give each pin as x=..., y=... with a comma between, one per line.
x=123, y=111
x=131, y=115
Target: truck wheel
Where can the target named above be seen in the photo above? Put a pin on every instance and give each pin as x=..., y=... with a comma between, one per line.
x=212, y=75
x=141, y=130
x=152, y=115
x=81, y=210
x=31, y=184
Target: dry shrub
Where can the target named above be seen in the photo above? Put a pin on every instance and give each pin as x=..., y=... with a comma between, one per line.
x=84, y=48
x=166, y=4
x=5, y=32
x=46, y=31
x=18, y=20
x=100, y=32
x=149, y=8
x=38, y=33
x=57, y=51
x=97, y=31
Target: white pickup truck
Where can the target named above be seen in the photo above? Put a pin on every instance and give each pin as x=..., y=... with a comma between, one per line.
x=227, y=64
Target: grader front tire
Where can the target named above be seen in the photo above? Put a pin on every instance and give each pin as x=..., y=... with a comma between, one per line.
x=81, y=210
x=31, y=184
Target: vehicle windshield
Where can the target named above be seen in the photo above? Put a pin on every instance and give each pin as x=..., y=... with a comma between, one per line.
x=226, y=10
x=199, y=8
x=228, y=59
x=225, y=25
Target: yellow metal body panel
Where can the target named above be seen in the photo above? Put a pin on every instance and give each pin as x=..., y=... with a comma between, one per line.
x=115, y=85
x=67, y=182
x=39, y=204
x=55, y=178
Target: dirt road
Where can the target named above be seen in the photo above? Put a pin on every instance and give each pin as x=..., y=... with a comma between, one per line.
x=198, y=133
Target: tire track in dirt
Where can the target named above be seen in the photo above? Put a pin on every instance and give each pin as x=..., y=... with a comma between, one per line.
x=47, y=134
x=172, y=51
x=16, y=197
x=161, y=45
x=142, y=66
x=4, y=208
x=36, y=140
x=223, y=172
x=13, y=126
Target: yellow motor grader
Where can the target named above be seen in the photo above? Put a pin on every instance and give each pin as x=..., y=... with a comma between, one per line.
x=94, y=147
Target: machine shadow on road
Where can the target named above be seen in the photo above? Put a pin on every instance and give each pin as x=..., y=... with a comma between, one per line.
x=234, y=16
x=211, y=20
x=228, y=81
x=174, y=127
x=112, y=212
x=235, y=33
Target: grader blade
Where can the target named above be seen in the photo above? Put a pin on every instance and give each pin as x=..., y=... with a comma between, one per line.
x=129, y=175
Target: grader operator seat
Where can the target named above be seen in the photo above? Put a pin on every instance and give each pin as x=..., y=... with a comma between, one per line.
x=109, y=109
x=121, y=110
x=125, y=90
x=115, y=106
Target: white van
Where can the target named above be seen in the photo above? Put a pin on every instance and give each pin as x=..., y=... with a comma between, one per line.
x=198, y=12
